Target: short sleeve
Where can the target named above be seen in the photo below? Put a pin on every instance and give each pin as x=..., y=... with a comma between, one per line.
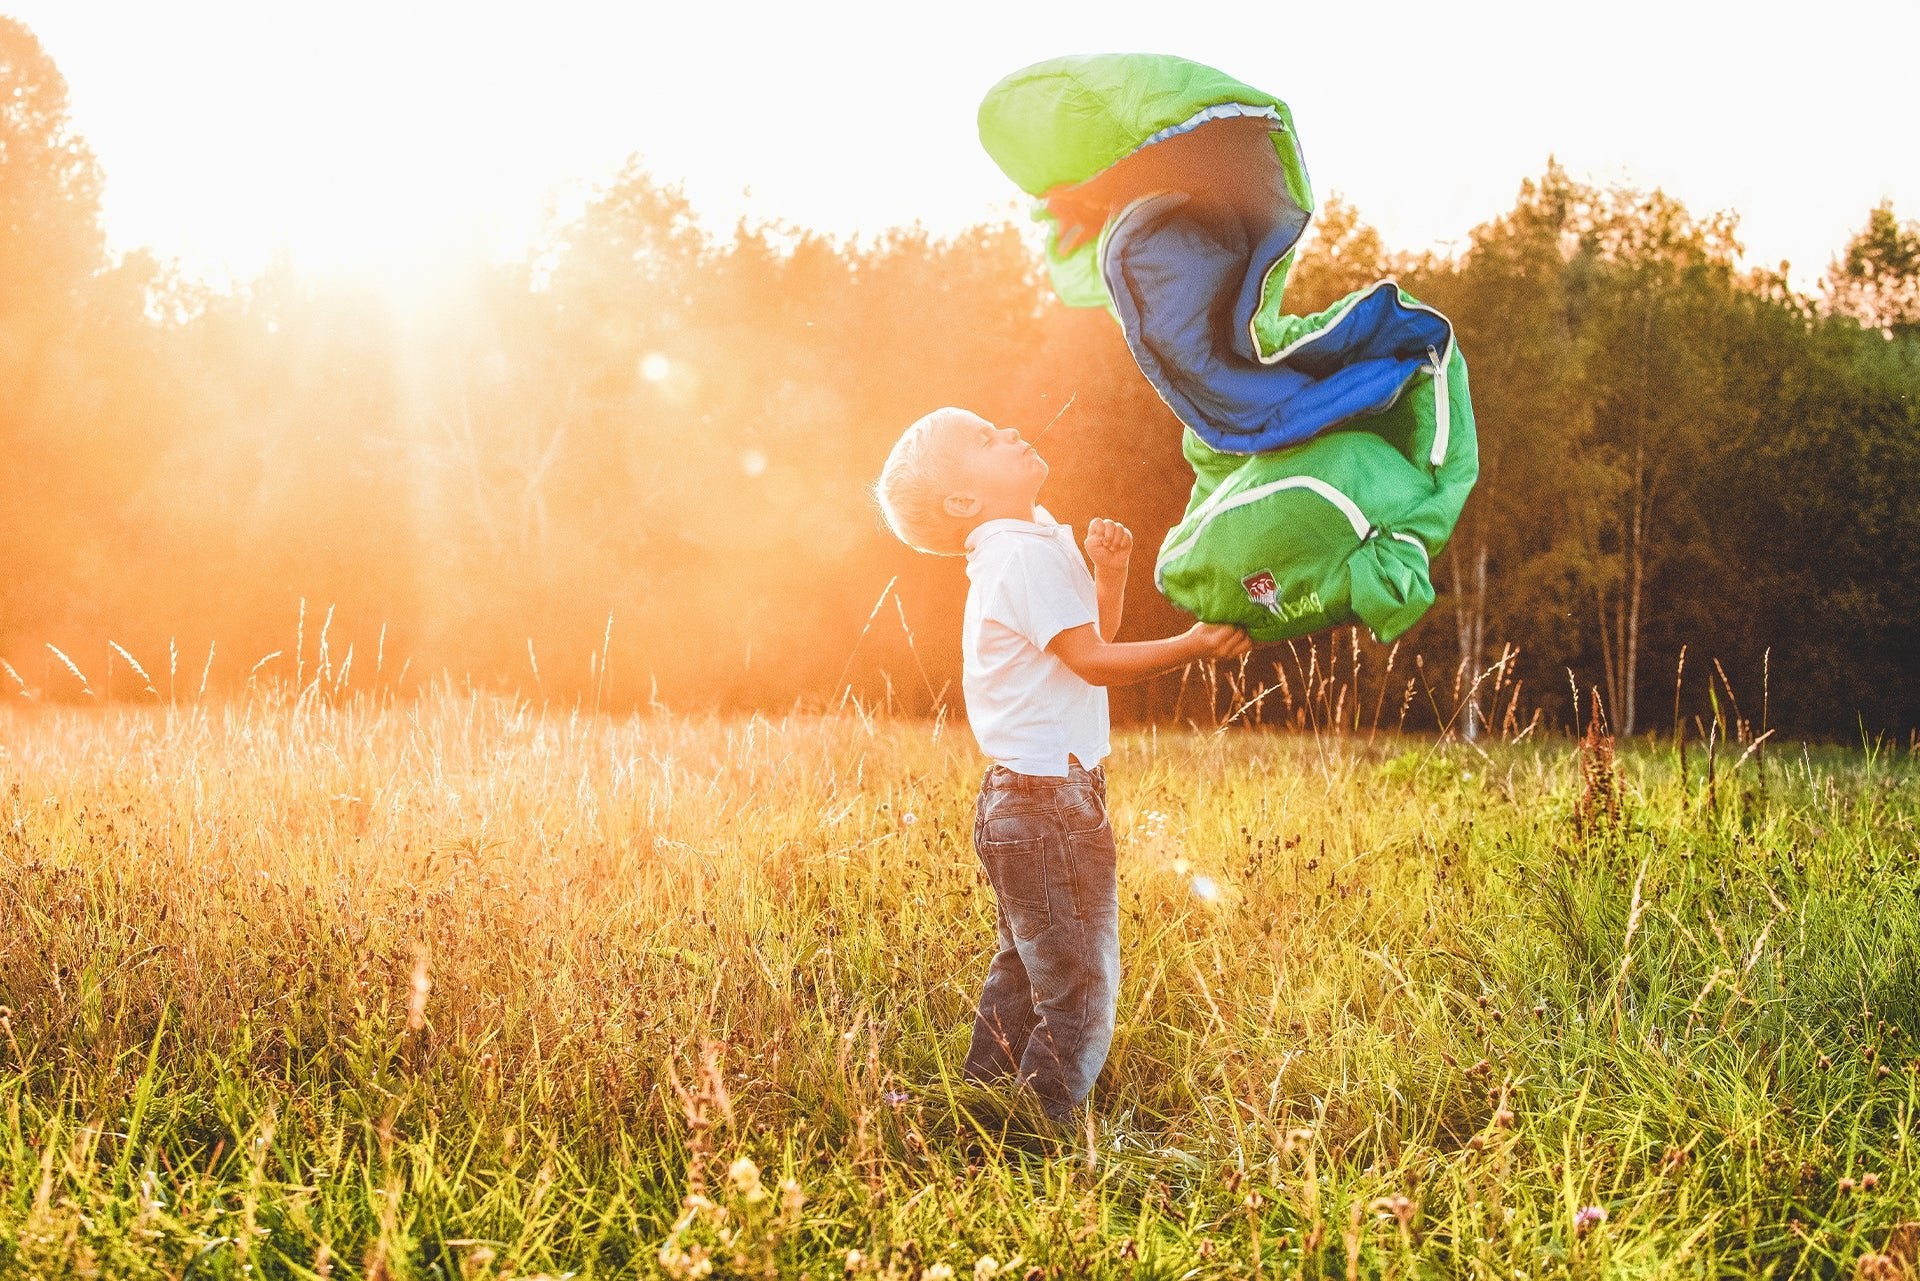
x=1043, y=591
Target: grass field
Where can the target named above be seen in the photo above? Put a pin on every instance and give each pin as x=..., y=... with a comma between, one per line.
x=463, y=988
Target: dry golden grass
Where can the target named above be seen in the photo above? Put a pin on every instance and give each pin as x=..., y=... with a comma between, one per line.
x=464, y=987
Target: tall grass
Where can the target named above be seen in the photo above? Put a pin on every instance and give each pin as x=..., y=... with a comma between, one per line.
x=461, y=987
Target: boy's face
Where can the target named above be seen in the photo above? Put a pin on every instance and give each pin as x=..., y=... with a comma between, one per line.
x=992, y=471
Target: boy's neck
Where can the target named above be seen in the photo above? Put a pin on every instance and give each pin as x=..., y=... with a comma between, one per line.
x=1029, y=512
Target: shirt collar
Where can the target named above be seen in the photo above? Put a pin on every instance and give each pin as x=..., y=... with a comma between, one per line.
x=1045, y=524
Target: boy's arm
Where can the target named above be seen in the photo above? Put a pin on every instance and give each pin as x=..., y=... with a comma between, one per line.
x=1109, y=546
x=1110, y=586
x=1102, y=662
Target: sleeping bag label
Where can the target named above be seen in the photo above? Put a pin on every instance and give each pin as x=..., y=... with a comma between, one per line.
x=1264, y=592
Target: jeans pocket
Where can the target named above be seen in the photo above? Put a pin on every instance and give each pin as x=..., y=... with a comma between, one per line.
x=1082, y=808
x=1018, y=872
x=1093, y=862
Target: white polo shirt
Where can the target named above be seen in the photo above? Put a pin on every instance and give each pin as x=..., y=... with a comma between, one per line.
x=1028, y=583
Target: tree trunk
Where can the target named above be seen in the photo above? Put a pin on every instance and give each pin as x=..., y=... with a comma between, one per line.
x=1643, y=486
x=1470, y=626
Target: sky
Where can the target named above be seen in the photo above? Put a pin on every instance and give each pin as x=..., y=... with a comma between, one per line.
x=391, y=140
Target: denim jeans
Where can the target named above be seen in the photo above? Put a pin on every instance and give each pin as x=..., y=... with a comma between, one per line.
x=1047, y=1010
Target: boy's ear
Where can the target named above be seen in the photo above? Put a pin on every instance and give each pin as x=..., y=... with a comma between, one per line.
x=961, y=505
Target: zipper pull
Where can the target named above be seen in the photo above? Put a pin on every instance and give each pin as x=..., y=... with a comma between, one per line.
x=1442, y=410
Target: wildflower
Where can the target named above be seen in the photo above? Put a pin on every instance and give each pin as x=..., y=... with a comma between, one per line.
x=894, y=1098
x=1503, y=1118
x=907, y=819
x=1868, y=1182
x=985, y=1268
x=1181, y=867
x=938, y=1272
x=854, y=1260
x=744, y=1175
x=791, y=1197
x=1589, y=1216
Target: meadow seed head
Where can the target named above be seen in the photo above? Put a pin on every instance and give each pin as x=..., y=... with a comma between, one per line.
x=1590, y=1216
x=791, y=1197
x=420, y=986
x=939, y=1272
x=986, y=1268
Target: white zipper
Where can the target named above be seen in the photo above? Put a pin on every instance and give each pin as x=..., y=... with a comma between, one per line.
x=1313, y=335
x=1348, y=508
x=1437, y=366
x=1206, y=115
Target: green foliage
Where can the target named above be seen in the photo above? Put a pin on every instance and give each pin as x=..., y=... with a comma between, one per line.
x=634, y=467
x=1877, y=281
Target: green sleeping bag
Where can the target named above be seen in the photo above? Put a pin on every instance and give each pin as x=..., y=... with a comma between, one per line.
x=1331, y=453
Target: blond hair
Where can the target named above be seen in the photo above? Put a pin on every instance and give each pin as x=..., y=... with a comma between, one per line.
x=913, y=488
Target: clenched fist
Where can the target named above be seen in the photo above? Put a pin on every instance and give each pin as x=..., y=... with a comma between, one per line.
x=1109, y=544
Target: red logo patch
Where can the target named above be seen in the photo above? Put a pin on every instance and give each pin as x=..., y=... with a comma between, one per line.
x=1261, y=589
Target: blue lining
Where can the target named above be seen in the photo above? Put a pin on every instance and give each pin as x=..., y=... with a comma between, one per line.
x=1186, y=279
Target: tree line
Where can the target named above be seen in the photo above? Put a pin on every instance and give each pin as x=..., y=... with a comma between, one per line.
x=633, y=465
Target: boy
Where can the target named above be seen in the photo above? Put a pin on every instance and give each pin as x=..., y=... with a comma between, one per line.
x=1037, y=653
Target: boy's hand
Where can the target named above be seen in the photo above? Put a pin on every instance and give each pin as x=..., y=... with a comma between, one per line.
x=1109, y=544
x=1218, y=640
